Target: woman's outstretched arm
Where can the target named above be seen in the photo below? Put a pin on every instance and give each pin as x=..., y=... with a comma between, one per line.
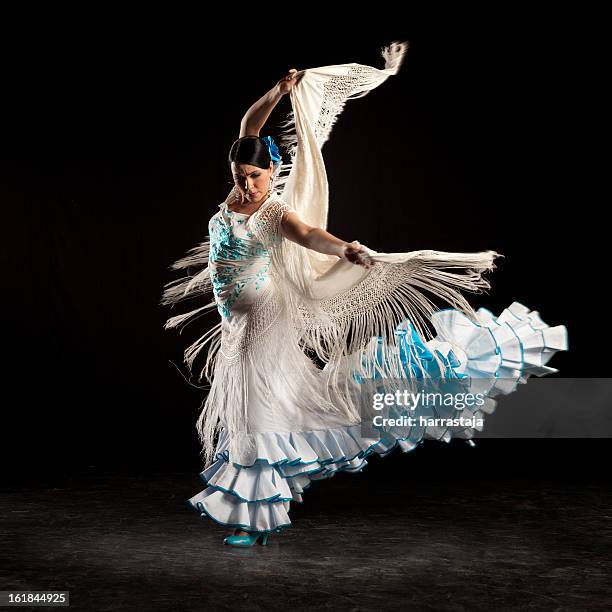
x=318, y=239
x=257, y=115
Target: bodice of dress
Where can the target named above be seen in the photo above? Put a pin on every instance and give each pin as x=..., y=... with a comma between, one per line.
x=239, y=262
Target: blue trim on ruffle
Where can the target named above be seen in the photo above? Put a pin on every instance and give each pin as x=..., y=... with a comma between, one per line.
x=522, y=368
x=408, y=343
x=363, y=454
x=498, y=350
x=198, y=506
x=277, y=498
x=225, y=456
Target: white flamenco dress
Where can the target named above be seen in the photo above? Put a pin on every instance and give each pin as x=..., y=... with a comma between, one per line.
x=273, y=421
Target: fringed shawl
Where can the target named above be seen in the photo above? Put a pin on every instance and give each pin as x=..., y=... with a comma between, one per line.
x=338, y=306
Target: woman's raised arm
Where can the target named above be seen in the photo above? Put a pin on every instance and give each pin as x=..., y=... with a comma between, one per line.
x=257, y=115
x=318, y=239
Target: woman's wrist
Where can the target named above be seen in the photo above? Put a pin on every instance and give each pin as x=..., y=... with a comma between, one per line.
x=340, y=249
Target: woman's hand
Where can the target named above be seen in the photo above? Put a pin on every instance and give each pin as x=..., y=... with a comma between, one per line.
x=355, y=253
x=288, y=82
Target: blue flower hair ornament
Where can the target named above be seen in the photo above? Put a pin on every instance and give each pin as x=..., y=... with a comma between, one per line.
x=273, y=150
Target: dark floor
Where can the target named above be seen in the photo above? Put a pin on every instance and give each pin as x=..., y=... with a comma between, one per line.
x=130, y=542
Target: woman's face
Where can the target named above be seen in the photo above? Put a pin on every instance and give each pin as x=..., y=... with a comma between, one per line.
x=252, y=182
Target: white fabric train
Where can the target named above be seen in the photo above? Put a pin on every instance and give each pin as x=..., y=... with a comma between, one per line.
x=254, y=491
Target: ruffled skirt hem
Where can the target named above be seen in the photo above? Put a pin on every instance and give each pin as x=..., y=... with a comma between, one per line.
x=256, y=497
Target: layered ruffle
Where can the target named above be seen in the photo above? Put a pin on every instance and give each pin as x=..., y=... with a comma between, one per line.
x=253, y=490
x=256, y=496
x=504, y=350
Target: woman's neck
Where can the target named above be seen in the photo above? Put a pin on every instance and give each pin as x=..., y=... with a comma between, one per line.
x=253, y=206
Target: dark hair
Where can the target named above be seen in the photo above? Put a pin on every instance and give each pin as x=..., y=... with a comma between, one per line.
x=250, y=150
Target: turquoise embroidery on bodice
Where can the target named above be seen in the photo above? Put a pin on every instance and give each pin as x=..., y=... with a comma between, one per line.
x=236, y=259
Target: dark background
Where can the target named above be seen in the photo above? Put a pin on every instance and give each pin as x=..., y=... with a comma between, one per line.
x=116, y=138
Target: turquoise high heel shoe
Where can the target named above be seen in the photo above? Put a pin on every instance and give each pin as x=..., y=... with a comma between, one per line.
x=247, y=540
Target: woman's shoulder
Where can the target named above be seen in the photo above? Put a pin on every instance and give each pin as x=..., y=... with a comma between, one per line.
x=274, y=208
x=214, y=219
x=271, y=203
x=282, y=203
x=284, y=206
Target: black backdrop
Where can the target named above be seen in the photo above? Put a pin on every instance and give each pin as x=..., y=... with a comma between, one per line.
x=116, y=142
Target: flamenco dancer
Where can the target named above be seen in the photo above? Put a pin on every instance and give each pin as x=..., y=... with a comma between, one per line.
x=287, y=292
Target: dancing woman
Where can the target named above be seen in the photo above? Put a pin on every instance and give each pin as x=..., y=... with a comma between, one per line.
x=287, y=292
